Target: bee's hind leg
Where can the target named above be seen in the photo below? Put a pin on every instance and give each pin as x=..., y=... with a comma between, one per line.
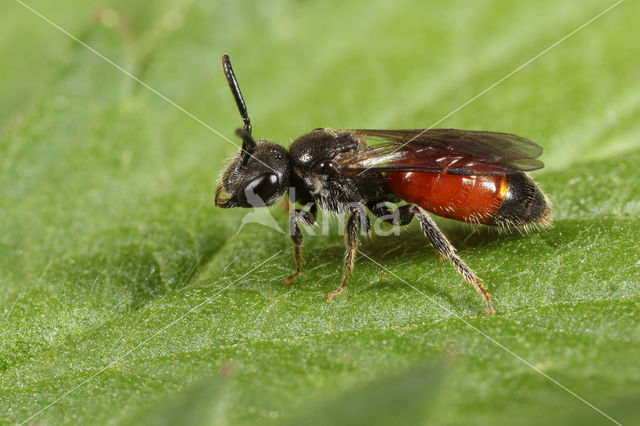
x=444, y=247
x=399, y=217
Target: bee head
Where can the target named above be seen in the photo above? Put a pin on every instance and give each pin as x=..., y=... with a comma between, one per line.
x=257, y=177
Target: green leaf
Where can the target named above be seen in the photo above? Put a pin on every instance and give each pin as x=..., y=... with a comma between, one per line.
x=199, y=404
x=404, y=398
x=122, y=288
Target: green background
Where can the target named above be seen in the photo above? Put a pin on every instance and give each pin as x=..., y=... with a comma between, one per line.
x=124, y=290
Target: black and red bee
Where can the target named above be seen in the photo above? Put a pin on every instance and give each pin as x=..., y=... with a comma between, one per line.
x=471, y=176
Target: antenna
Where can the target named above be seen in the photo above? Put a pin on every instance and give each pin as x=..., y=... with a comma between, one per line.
x=235, y=89
x=248, y=144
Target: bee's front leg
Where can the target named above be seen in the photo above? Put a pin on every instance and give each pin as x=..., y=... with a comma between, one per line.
x=307, y=218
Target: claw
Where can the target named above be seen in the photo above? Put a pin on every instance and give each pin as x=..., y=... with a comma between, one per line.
x=335, y=293
x=287, y=282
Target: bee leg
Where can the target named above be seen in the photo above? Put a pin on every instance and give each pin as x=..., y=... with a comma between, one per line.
x=444, y=247
x=307, y=218
x=400, y=217
x=357, y=219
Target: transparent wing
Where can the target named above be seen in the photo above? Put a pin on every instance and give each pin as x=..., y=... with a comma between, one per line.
x=448, y=151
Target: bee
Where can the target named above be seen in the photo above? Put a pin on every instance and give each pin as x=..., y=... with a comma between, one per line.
x=471, y=176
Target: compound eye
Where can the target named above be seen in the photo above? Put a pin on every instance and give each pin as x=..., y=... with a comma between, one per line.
x=258, y=191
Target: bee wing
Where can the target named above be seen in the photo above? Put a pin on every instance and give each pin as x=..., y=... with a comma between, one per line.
x=446, y=151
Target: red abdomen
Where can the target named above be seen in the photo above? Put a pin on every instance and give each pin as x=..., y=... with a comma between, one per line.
x=474, y=199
